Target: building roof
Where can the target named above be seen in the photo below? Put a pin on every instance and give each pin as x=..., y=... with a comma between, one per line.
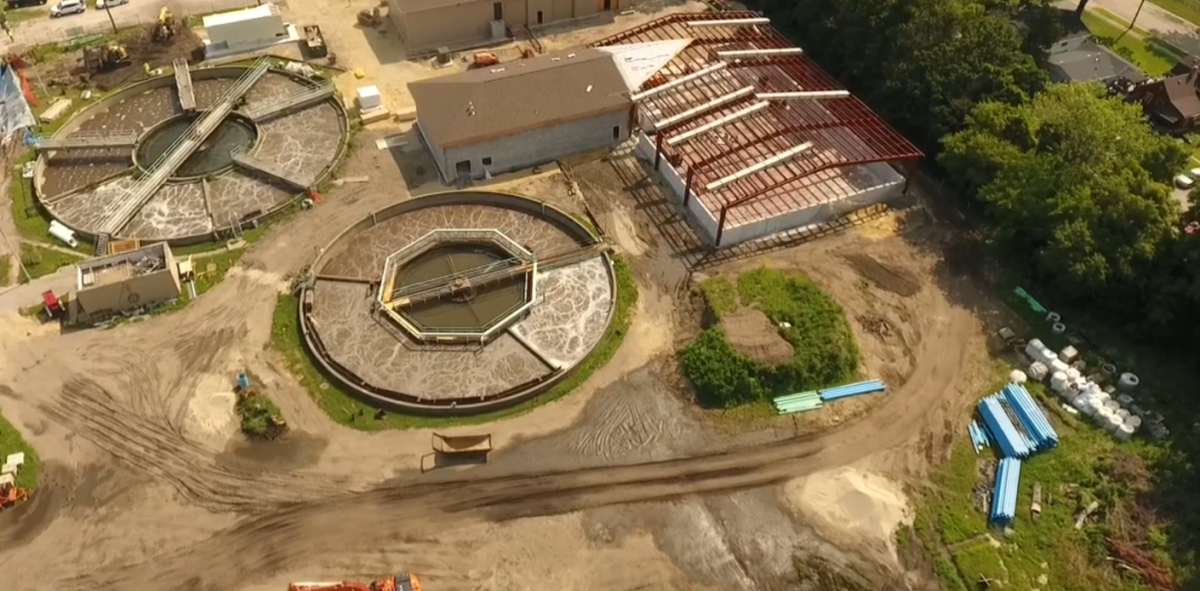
x=1091, y=62
x=518, y=96
x=244, y=14
x=1181, y=90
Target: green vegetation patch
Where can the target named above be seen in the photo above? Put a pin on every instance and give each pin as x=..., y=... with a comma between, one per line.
x=39, y=261
x=260, y=416
x=1188, y=10
x=11, y=442
x=1087, y=466
x=350, y=411
x=1152, y=55
x=5, y=269
x=815, y=326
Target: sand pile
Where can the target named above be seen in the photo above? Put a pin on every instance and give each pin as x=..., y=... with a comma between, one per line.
x=846, y=501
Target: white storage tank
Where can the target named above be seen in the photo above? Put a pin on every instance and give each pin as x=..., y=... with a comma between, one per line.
x=1113, y=423
x=63, y=233
x=1058, y=381
x=1134, y=421
x=1034, y=349
x=1059, y=365
x=1127, y=382
x=1038, y=371
x=1017, y=376
x=1112, y=405
x=1073, y=374
x=1124, y=414
x=1124, y=432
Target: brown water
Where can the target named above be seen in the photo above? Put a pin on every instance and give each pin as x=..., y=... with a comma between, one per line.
x=484, y=306
x=214, y=153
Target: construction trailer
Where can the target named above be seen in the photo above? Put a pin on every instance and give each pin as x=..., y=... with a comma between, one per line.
x=118, y=283
x=249, y=28
x=752, y=137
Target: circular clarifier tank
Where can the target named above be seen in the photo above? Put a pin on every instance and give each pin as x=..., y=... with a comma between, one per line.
x=459, y=302
x=214, y=155
x=473, y=307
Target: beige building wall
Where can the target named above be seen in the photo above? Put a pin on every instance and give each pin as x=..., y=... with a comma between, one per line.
x=129, y=294
x=449, y=26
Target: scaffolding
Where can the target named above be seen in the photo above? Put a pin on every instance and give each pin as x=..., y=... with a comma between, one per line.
x=805, y=106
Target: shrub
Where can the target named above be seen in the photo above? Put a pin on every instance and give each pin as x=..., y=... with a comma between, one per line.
x=826, y=353
x=722, y=377
x=260, y=416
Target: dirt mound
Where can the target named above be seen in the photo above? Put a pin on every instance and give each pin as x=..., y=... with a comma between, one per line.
x=143, y=49
x=754, y=335
x=848, y=500
x=883, y=276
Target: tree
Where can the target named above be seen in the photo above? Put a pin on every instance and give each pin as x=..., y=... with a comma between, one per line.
x=923, y=64
x=1075, y=183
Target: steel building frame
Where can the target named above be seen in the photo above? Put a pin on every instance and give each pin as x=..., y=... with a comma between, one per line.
x=844, y=131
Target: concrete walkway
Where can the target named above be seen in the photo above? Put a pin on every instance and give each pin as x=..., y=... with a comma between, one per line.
x=13, y=298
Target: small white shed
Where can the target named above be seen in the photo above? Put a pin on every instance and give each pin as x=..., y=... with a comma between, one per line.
x=258, y=26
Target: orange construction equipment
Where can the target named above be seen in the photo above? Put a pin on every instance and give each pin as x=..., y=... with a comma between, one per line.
x=401, y=582
x=11, y=495
x=484, y=59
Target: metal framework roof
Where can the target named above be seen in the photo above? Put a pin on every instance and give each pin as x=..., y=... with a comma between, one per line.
x=843, y=131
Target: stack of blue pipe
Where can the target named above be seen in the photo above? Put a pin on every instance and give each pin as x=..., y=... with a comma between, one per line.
x=1031, y=416
x=1012, y=443
x=1004, y=494
x=979, y=436
x=855, y=389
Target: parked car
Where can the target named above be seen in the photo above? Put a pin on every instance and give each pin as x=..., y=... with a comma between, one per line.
x=24, y=3
x=1194, y=173
x=1184, y=181
x=66, y=7
x=110, y=3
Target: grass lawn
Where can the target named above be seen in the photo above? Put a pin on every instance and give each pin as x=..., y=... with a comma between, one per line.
x=11, y=443
x=30, y=221
x=5, y=269
x=17, y=15
x=1152, y=55
x=1188, y=10
x=344, y=408
x=43, y=261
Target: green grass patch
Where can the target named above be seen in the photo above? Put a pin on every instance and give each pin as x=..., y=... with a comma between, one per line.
x=11, y=442
x=260, y=416
x=1071, y=476
x=5, y=269
x=210, y=270
x=18, y=15
x=40, y=262
x=29, y=219
x=816, y=327
x=1154, y=56
x=348, y=410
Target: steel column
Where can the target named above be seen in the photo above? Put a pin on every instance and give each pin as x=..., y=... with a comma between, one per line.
x=687, y=186
x=658, y=148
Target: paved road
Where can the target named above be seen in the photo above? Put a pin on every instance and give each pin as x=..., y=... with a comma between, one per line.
x=1159, y=22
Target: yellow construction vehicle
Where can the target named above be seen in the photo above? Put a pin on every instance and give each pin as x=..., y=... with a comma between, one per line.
x=164, y=29
x=105, y=58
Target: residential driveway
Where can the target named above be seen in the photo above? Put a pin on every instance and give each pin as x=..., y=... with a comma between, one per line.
x=1159, y=22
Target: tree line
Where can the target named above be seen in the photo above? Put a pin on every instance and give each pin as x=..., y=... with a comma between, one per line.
x=1074, y=186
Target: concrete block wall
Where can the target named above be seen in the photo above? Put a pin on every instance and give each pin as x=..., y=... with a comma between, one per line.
x=537, y=146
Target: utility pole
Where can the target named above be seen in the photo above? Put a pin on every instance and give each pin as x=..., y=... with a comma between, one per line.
x=110, y=18
x=1130, y=27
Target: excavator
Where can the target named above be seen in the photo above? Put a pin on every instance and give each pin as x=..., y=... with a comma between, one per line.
x=164, y=29
x=401, y=582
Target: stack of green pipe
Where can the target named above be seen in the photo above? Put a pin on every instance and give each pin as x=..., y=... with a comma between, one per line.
x=802, y=402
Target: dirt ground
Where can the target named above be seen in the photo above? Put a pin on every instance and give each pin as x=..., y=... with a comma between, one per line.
x=623, y=485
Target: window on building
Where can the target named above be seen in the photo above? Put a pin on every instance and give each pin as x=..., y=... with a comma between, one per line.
x=487, y=161
x=616, y=132
x=498, y=11
x=539, y=17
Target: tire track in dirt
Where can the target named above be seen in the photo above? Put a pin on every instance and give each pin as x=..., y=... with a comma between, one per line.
x=149, y=445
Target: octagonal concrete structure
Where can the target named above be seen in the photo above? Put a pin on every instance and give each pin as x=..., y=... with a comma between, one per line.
x=345, y=329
